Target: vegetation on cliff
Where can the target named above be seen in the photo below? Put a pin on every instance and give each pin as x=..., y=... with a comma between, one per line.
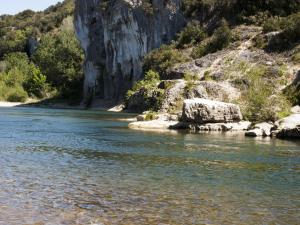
x=212, y=28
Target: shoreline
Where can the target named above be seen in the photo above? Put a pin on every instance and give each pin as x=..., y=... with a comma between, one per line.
x=11, y=104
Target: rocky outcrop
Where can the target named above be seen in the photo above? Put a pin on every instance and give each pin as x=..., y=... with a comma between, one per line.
x=115, y=36
x=152, y=125
x=289, y=127
x=224, y=127
x=202, y=111
x=260, y=130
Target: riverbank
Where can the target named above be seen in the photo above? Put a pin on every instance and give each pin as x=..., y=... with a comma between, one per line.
x=10, y=104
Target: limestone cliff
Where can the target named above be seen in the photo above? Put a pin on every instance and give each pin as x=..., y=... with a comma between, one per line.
x=115, y=36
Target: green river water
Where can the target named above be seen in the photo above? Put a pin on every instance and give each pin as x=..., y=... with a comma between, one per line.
x=87, y=167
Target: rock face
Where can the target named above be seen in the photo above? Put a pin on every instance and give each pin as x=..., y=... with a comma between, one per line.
x=115, y=36
x=203, y=111
x=289, y=127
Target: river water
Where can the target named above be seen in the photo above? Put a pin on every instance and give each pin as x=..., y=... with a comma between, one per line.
x=85, y=167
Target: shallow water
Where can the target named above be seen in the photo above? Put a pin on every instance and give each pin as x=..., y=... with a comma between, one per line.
x=84, y=167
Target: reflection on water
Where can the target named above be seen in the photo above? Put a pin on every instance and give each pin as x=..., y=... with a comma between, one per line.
x=78, y=167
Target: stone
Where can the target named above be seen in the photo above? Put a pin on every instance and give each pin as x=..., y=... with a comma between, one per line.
x=117, y=108
x=204, y=111
x=295, y=109
x=289, y=127
x=224, y=127
x=152, y=125
x=260, y=130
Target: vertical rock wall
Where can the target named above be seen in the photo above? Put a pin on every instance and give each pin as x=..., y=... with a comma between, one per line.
x=115, y=36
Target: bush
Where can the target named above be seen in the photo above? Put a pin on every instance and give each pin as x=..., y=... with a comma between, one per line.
x=151, y=116
x=191, y=35
x=17, y=94
x=19, y=76
x=289, y=36
x=150, y=81
x=162, y=59
x=36, y=84
x=293, y=94
x=220, y=40
x=272, y=24
x=147, y=89
x=296, y=57
x=260, y=101
x=190, y=80
x=60, y=59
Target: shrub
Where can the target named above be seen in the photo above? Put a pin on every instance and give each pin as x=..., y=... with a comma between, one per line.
x=260, y=41
x=162, y=59
x=260, y=101
x=289, y=36
x=293, y=94
x=296, y=57
x=17, y=94
x=36, y=84
x=191, y=35
x=220, y=40
x=148, y=89
x=151, y=116
x=272, y=24
x=59, y=58
x=191, y=80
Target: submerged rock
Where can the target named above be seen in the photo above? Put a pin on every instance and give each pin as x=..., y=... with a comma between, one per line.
x=202, y=111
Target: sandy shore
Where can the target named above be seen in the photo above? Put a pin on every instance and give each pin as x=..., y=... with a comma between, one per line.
x=10, y=104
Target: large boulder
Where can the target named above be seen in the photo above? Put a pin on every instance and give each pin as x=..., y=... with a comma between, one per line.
x=289, y=127
x=203, y=111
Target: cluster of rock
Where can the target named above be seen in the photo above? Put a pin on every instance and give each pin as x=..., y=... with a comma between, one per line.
x=207, y=115
x=288, y=127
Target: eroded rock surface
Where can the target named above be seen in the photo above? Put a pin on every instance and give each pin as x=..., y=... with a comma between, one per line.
x=115, y=36
x=203, y=111
x=260, y=130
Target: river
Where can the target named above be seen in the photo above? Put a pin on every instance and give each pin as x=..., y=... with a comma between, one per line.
x=87, y=167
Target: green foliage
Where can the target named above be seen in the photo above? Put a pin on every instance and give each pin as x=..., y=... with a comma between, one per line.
x=36, y=84
x=242, y=10
x=289, y=36
x=21, y=78
x=292, y=92
x=192, y=34
x=148, y=88
x=296, y=57
x=149, y=82
x=17, y=94
x=16, y=30
x=60, y=57
x=272, y=24
x=260, y=41
x=220, y=40
x=151, y=116
x=260, y=100
x=162, y=59
x=190, y=80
